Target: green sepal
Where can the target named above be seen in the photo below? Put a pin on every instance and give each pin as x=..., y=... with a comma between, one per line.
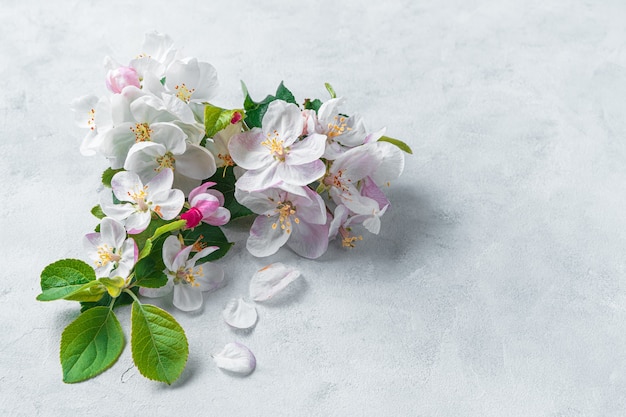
x=108, y=174
x=283, y=93
x=312, y=104
x=158, y=343
x=168, y=227
x=114, y=286
x=403, y=146
x=91, y=291
x=122, y=300
x=208, y=235
x=225, y=183
x=216, y=118
x=90, y=344
x=97, y=212
x=330, y=90
x=256, y=110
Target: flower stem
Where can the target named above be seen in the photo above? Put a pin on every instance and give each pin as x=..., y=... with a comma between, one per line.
x=132, y=294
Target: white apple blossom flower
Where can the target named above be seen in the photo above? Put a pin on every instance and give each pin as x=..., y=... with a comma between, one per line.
x=185, y=278
x=112, y=253
x=285, y=217
x=139, y=201
x=275, y=153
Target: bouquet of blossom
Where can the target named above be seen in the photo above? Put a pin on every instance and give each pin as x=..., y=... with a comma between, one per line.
x=180, y=168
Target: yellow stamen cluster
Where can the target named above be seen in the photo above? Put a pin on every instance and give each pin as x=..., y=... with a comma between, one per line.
x=337, y=128
x=198, y=245
x=184, y=93
x=166, y=161
x=142, y=132
x=188, y=276
x=139, y=197
x=275, y=145
x=91, y=121
x=337, y=180
x=106, y=255
x=348, y=242
x=285, y=210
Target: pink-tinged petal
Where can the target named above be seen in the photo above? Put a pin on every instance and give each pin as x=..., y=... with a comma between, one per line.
x=161, y=182
x=284, y=120
x=360, y=204
x=374, y=136
x=247, y=152
x=220, y=217
x=340, y=217
x=206, y=203
x=358, y=162
x=270, y=280
x=204, y=252
x=307, y=150
x=91, y=242
x=309, y=240
x=196, y=162
x=264, y=239
x=294, y=189
x=124, y=182
x=187, y=298
x=157, y=292
x=371, y=190
x=301, y=174
x=112, y=232
x=126, y=264
x=311, y=208
x=333, y=151
x=212, y=278
x=260, y=179
x=137, y=222
x=201, y=189
x=392, y=163
x=216, y=194
x=355, y=132
x=240, y=314
x=258, y=202
x=168, y=204
x=180, y=261
x=236, y=358
x=171, y=248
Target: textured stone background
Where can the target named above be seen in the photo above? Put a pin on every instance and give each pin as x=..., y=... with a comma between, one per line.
x=497, y=286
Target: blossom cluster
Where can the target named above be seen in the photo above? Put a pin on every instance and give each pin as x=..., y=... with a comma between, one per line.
x=150, y=129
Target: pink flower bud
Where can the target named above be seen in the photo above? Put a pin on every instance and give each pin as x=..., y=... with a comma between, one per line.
x=121, y=77
x=236, y=118
x=193, y=217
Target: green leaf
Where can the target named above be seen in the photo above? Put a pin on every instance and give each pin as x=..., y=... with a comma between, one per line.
x=158, y=343
x=225, y=179
x=283, y=93
x=208, y=235
x=216, y=118
x=91, y=291
x=97, y=211
x=108, y=174
x=312, y=104
x=90, y=344
x=64, y=277
x=149, y=272
x=122, y=300
x=141, y=238
x=403, y=146
x=331, y=90
x=161, y=230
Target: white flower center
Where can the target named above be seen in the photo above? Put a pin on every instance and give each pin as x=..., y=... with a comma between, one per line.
x=338, y=127
x=106, y=254
x=166, y=161
x=275, y=145
x=91, y=120
x=184, y=93
x=188, y=276
x=139, y=197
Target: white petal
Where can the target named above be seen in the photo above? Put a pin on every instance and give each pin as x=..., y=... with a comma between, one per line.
x=187, y=298
x=268, y=281
x=237, y=358
x=240, y=314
